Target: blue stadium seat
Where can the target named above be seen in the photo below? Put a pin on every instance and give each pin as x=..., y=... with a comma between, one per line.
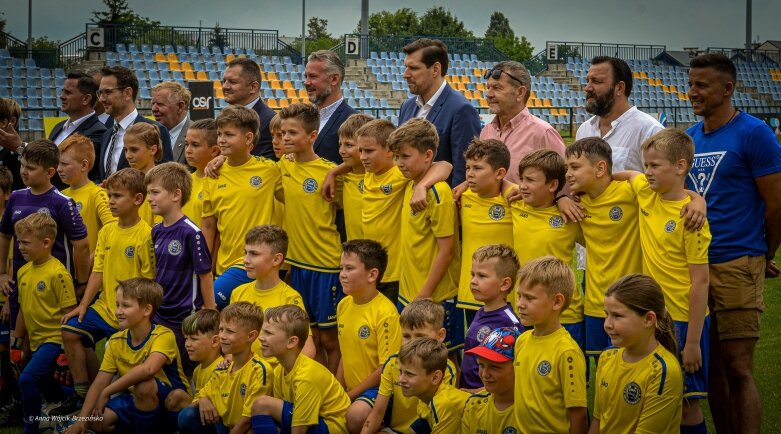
x=4, y=92
x=4, y=54
x=265, y=85
x=180, y=49
x=5, y=72
x=120, y=48
x=169, y=49
x=374, y=55
x=132, y=48
x=144, y=93
x=268, y=93
x=279, y=93
x=165, y=74
x=17, y=62
x=33, y=102
x=49, y=103
x=46, y=84
x=149, y=57
x=29, y=63
x=177, y=75
x=213, y=75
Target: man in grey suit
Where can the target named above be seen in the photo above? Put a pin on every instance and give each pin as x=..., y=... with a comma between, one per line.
x=170, y=104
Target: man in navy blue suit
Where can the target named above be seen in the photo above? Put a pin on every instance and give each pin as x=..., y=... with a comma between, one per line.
x=241, y=86
x=118, y=92
x=456, y=120
x=323, y=81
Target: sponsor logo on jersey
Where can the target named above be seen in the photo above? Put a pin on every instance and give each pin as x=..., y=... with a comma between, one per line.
x=175, y=248
x=632, y=393
x=310, y=185
x=496, y=212
x=544, y=368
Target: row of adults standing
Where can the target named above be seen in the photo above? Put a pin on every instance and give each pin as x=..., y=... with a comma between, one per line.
x=737, y=165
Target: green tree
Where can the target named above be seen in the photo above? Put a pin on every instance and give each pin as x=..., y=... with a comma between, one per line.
x=44, y=43
x=317, y=28
x=120, y=13
x=504, y=38
x=438, y=21
x=218, y=37
x=403, y=22
x=318, y=37
x=499, y=26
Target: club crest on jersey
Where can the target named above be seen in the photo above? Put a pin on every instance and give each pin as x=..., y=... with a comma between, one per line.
x=483, y=332
x=386, y=189
x=510, y=430
x=632, y=393
x=130, y=251
x=255, y=181
x=310, y=185
x=200, y=195
x=44, y=211
x=496, y=212
x=243, y=390
x=556, y=222
x=544, y=368
x=616, y=213
x=40, y=286
x=669, y=227
x=175, y=248
x=364, y=332
x=360, y=186
x=79, y=206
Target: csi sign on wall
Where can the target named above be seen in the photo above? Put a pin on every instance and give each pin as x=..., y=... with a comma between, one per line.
x=95, y=37
x=351, y=46
x=202, y=103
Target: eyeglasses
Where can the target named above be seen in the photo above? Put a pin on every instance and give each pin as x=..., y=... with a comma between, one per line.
x=107, y=91
x=496, y=74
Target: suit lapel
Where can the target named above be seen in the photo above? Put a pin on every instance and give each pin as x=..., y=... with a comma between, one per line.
x=179, y=145
x=56, y=130
x=432, y=115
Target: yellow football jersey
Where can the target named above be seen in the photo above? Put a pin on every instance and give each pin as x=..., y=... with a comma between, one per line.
x=382, y=203
x=92, y=203
x=121, y=253
x=120, y=357
x=404, y=409
x=145, y=212
x=193, y=209
x=483, y=221
x=314, y=392
x=613, y=250
x=368, y=334
x=541, y=232
x=419, y=233
x=641, y=397
x=482, y=417
x=352, y=198
x=233, y=392
x=310, y=220
x=444, y=412
x=668, y=248
x=202, y=375
x=550, y=377
x=241, y=198
x=44, y=291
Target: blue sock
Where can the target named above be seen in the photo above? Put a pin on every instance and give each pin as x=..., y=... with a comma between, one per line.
x=263, y=424
x=145, y=421
x=700, y=428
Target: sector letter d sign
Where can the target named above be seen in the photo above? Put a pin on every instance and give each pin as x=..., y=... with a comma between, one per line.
x=351, y=46
x=202, y=102
x=95, y=37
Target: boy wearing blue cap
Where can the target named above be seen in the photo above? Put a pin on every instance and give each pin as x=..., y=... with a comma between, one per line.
x=492, y=410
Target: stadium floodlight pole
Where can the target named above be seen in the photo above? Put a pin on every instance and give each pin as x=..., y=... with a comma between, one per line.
x=748, y=31
x=364, y=29
x=303, y=32
x=30, y=29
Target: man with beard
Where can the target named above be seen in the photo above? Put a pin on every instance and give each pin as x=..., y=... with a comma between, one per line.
x=456, y=120
x=508, y=86
x=323, y=81
x=625, y=128
x=241, y=86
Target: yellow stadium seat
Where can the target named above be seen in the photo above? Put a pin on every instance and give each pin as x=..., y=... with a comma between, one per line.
x=532, y=95
x=636, y=74
x=483, y=103
x=303, y=95
x=189, y=75
x=673, y=89
x=275, y=84
x=186, y=66
x=229, y=57
x=477, y=72
x=466, y=79
x=263, y=75
x=272, y=103
x=553, y=111
x=172, y=57
x=665, y=88
x=546, y=102
x=200, y=75
x=160, y=57
x=291, y=93
x=480, y=86
x=449, y=79
x=174, y=66
x=468, y=94
x=283, y=102
x=218, y=93
x=287, y=85
x=217, y=84
x=271, y=76
x=682, y=96
x=295, y=100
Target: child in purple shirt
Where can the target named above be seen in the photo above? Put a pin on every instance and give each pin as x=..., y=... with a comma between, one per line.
x=494, y=268
x=184, y=265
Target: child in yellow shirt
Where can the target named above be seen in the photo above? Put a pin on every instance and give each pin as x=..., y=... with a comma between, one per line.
x=352, y=191
x=200, y=147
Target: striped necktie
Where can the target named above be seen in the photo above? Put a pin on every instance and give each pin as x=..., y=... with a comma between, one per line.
x=110, y=154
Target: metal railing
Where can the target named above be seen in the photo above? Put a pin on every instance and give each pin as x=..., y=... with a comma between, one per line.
x=483, y=48
x=589, y=50
x=73, y=50
x=743, y=55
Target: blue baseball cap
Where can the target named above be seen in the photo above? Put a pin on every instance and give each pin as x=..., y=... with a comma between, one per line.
x=498, y=346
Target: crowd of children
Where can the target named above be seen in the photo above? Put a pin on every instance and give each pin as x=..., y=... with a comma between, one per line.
x=435, y=310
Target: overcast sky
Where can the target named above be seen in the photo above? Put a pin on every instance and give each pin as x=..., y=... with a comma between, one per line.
x=674, y=23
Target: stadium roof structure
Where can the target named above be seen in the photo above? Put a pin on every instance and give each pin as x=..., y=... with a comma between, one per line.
x=675, y=58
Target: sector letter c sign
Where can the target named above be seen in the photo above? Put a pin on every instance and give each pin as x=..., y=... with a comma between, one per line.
x=95, y=37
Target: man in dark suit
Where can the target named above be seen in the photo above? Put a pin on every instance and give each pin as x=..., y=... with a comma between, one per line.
x=118, y=92
x=456, y=120
x=323, y=81
x=170, y=102
x=241, y=86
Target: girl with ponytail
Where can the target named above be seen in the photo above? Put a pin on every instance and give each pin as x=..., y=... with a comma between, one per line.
x=639, y=380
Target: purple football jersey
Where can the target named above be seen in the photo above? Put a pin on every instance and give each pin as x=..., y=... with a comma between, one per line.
x=182, y=256
x=483, y=324
x=61, y=208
